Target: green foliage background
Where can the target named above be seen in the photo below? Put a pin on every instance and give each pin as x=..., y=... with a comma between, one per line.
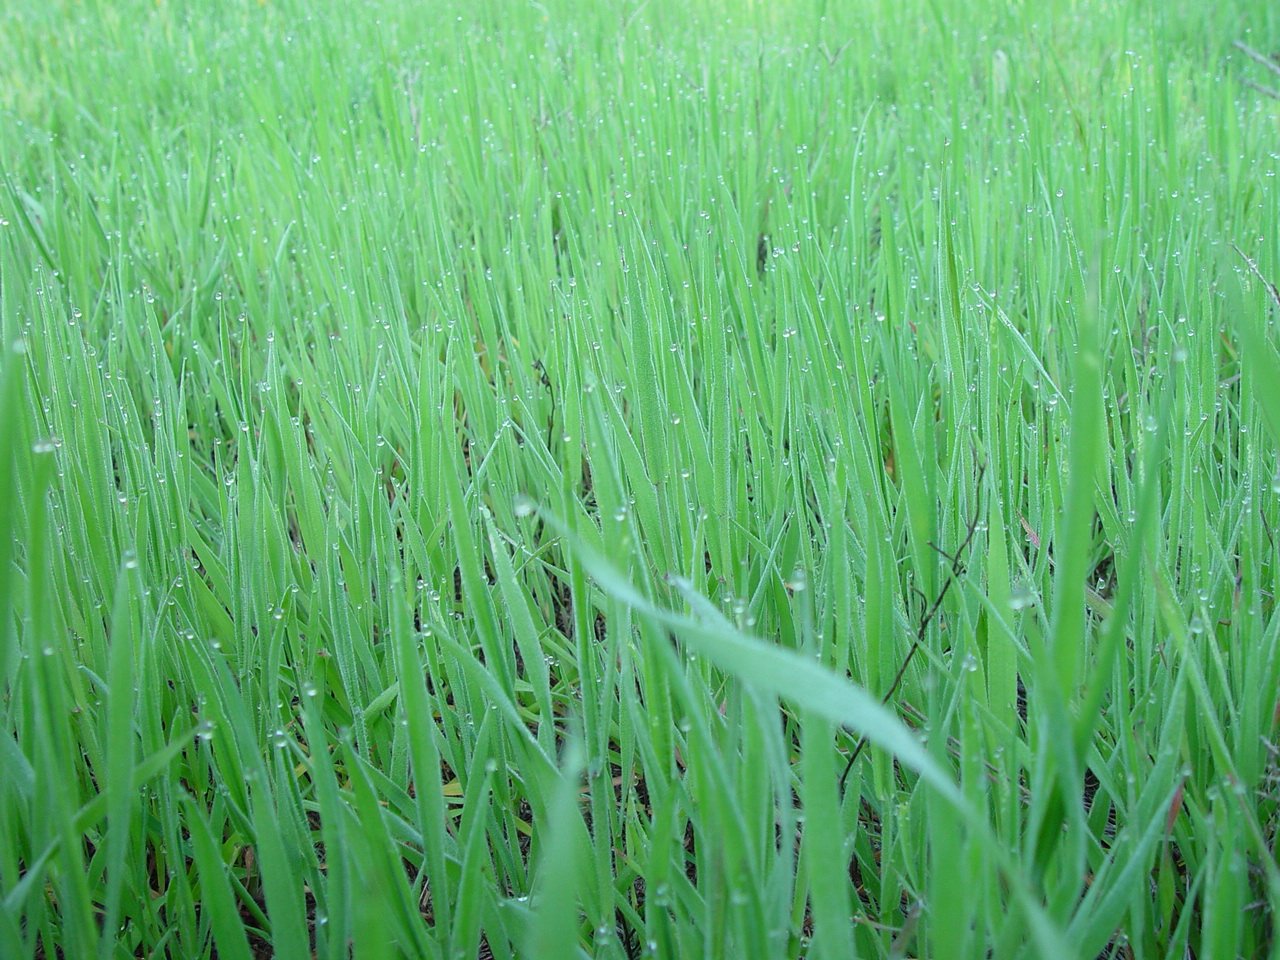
x=469, y=472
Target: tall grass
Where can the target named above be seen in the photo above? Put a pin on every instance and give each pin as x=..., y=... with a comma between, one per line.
x=470, y=474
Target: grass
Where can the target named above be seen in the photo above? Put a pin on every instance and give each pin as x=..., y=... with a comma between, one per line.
x=469, y=476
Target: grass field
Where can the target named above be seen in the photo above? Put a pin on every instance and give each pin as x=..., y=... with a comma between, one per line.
x=713, y=479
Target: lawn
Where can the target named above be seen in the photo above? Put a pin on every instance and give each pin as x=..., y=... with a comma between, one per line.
x=664, y=479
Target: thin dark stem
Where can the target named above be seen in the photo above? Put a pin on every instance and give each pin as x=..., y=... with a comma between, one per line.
x=546, y=382
x=955, y=570
x=1257, y=56
x=1262, y=88
x=1270, y=287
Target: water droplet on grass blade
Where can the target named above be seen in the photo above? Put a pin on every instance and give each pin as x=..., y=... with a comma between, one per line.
x=1021, y=597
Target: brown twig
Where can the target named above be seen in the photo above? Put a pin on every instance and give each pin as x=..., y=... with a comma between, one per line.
x=1263, y=89
x=955, y=571
x=1257, y=56
x=1270, y=287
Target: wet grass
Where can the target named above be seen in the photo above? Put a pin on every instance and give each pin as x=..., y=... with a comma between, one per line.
x=728, y=480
